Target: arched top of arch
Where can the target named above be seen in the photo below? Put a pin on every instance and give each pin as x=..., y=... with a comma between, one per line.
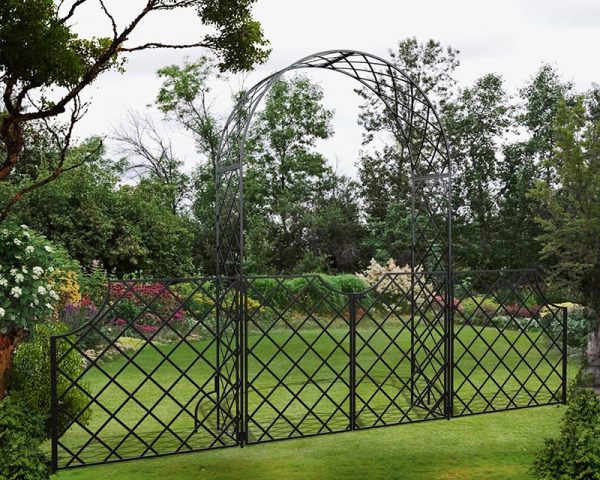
x=417, y=121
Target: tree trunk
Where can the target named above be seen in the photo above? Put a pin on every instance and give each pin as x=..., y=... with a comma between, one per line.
x=8, y=343
x=593, y=356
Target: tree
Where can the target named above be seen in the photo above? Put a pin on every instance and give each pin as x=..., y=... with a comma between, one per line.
x=385, y=172
x=524, y=161
x=129, y=228
x=150, y=155
x=571, y=220
x=284, y=172
x=185, y=98
x=541, y=98
x=335, y=232
x=203, y=211
x=476, y=122
x=45, y=65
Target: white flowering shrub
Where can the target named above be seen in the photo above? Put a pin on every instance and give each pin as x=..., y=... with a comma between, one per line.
x=26, y=294
x=395, y=279
x=395, y=285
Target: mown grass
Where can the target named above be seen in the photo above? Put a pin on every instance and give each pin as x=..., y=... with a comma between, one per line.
x=498, y=446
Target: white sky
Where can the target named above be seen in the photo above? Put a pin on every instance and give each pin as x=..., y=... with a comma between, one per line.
x=509, y=37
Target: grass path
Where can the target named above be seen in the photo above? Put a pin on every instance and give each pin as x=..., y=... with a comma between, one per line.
x=487, y=447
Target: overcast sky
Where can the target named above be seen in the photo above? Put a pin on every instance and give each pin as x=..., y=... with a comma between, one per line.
x=509, y=37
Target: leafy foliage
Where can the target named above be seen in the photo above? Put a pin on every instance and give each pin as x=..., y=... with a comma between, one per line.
x=285, y=173
x=579, y=320
x=570, y=220
x=126, y=228
x=21, y=434
x=26, y=266
x=39, y=49
x=43, y=58
x=575, y=454
x=30, y=377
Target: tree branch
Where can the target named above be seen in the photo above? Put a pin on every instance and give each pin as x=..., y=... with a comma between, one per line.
x=71, y=10
x=151, y=45
x=63, y=145
x=58, y=171
x=111, y=18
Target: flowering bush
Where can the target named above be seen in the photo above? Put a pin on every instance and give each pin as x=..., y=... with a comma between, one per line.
x=441, y=301
x=395, y=285
x=477, y=309
x=145, y=306
x=66, y=285
x=26, y=266
x=523, y=311
x=77, y=314
x=394, y=279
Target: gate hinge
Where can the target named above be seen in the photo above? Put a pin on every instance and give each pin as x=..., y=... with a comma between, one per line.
x=242, y=437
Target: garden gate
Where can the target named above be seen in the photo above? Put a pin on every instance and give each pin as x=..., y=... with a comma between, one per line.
x=181, y=365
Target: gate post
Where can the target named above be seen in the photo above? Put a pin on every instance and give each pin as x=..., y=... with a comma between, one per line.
x=53, y=406
x=565, y=346
x=449, y=327
x=217, y=378
x=242, y=364
x=352, y=320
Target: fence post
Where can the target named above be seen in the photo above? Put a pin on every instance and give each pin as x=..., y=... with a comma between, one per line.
x=565, y=344
x=218, y=308
x=242, y=371
x=352, y=320
x=53, y=406
x=449, y=325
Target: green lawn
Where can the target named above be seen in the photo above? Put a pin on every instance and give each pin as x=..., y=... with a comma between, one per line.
x=495, y=446
x=489, y=446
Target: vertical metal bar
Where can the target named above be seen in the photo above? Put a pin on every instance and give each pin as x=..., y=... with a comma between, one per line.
x=449, y=305
x=565, y=355
x=218, y=353
x=53, y=406
x=245, y=367
x=239, y=365
x=218, y=294
x=449, y=351
x=413, y=337
x=241, y=139
x=352, y=308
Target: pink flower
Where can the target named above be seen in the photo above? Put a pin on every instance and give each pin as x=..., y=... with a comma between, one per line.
x=146, y=328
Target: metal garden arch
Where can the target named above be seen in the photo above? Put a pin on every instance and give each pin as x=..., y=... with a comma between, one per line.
x=418, y=123
x=250, y=361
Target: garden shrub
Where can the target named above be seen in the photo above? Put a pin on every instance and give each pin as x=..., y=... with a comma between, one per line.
x=144, y=307
x=270, y=292
x=389, y=278
x=313, y=294
x=94, y=283
x=21, y=435
x=394, y=284
x=578, y=322
x=76, y=315
x=477, y=308
x=347, y=283
x=30, y=378
x=66, y=284
x=300, y=293
x=26, y=293
x=575, y=454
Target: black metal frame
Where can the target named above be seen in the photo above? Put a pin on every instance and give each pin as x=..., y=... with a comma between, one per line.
x=272, y=364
